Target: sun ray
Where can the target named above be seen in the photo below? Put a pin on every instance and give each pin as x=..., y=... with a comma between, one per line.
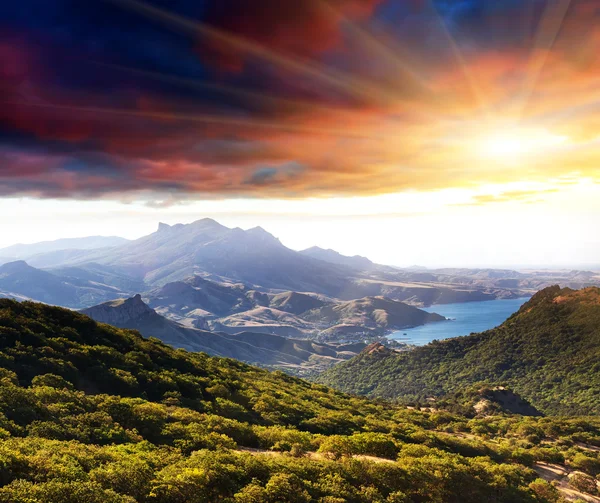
x=458, y=56
x=546, y=35
x=334, y=78
x=378, y=47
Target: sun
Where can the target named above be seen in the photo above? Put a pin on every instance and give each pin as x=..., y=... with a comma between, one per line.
x=503, y=146
x=517, y=144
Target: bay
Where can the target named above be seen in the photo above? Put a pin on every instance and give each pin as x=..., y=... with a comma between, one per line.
x=464, y=318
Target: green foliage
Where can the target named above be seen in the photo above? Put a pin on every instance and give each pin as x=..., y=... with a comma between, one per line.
x=548, y=352
x=583, y=483
x=90, y=413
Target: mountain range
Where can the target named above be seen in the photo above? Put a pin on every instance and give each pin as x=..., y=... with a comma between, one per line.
x=28, y=251
x=294, y=331
x=261, y=262
x=21, y=281
x=293, y=355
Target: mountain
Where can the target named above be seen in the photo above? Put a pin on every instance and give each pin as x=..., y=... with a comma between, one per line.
x=422, y=292
x=356, y=262
x=18, y=279
x=459, y=284
x=253, y=256
x=24, y=251
x=370, y=314
x=94, y=413
x=548, y=352
x=261, y=263
x=97, y=273
x=299, y=356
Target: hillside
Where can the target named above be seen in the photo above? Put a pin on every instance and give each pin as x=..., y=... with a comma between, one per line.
x=548, y=352
x=295, y=303
x=265, y=349
x=182, y=298
x=93, y=413
x=264, y=320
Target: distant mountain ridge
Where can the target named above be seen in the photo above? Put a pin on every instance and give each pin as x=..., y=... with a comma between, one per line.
x=18, y=279
x=86, y=243
x=259, y=261
x=548, y=352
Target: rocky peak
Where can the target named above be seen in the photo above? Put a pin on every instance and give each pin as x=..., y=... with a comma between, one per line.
x=207, y=223
x=261, y=234
x=120, y=312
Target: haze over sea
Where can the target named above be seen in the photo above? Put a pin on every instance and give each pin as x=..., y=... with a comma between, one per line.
x=464, y=318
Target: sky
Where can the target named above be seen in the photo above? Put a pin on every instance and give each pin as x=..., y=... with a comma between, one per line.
x=430, y=132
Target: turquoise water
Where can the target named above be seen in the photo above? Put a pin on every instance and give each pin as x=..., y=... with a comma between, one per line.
x=466, y=317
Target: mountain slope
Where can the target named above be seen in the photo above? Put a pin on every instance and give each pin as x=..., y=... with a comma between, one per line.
x=264, y=320
x=196, y=300
x=93, y=413
x=258, y=348
x=199, y=294
x=548, y=352
x=294, y=302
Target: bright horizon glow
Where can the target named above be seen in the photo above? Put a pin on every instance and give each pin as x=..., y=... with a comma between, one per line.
x=504, y=225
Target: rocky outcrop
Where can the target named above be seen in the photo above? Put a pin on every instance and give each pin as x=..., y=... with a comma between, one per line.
x=120, y=312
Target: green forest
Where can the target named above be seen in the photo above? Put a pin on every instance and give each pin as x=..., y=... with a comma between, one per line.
x=94, y=414
x=548, y=352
